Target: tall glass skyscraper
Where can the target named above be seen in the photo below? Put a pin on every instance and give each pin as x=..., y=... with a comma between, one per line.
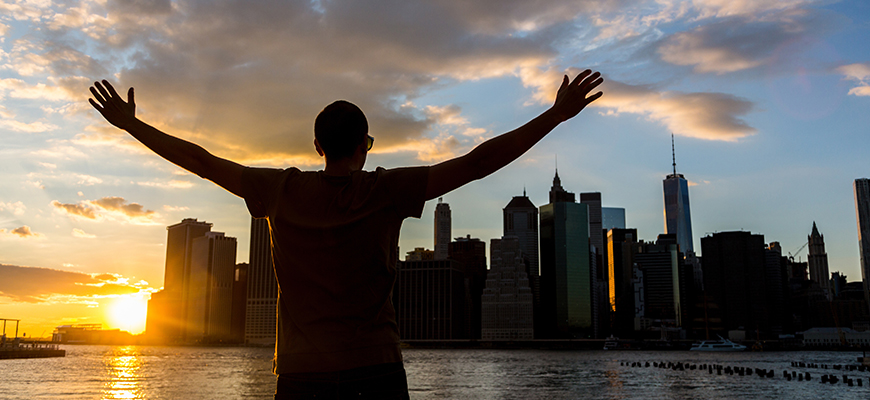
x=862, y=213
x=678, y=217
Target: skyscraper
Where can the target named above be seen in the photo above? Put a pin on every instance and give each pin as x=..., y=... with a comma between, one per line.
x=558, y=193
x=661, y=264
x=507, y=301
x=736, y=280
x=429, y=297
x=167, y=311
x=443, y=230
x=678, y=218
x=818, y=260
x=598, y=260
x=470, y=253
x=210, y=292
x=620, y=266
x=566, y=277
x=521, y=221
x=261, y=312
x=567, y=287
x=240, y=302
x=862, y=213
x=612, y=217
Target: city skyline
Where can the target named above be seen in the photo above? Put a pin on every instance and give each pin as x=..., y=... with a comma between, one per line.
x=767, y=99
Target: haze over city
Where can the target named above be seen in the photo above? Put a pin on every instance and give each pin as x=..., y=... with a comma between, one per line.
x=767, y=101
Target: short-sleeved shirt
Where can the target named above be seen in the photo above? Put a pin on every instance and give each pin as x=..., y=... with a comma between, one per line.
x=334, y=249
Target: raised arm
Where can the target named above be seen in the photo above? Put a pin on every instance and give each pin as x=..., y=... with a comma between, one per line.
x=187, y=155
x=495, y=153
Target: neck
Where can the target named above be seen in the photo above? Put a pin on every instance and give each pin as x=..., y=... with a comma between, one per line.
x=343, y=167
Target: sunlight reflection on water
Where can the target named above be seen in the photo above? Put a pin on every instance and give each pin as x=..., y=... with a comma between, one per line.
x=122, y=372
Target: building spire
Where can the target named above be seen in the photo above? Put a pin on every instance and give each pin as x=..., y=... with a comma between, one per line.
x=673, y=154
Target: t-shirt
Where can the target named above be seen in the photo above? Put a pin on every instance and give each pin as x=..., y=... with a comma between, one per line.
x=334, y=249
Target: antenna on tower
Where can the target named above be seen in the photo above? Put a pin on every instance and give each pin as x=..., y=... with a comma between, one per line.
x=673, y=154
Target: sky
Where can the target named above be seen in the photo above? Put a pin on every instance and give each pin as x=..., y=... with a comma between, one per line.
x=767, y=100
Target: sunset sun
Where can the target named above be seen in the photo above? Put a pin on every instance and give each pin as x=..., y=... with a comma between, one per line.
x=127, y=313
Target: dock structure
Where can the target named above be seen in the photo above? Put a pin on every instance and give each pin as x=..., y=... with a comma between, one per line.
x=14, y=349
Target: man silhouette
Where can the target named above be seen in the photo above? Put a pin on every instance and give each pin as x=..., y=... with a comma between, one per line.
x=335, y=234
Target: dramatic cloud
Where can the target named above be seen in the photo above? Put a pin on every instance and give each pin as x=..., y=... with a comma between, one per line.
x=113, y=208
x=859, y=73
x=33, y=284
x=712, y=116
x=739, y=43
x=22, y=232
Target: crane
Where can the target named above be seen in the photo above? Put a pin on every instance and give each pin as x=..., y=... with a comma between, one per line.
x=791, y=257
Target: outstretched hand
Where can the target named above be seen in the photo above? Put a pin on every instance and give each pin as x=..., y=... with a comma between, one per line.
x=572, y=97
x=113, y=109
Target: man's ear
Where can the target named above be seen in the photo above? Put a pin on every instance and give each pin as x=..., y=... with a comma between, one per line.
x=317, y=147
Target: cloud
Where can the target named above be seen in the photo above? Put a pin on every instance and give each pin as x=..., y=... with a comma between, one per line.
x=35, y=284
x=16, y=208
x=79, y=210
x=19, y=89
x=247, y=80
x=859, y=72
x=119, y=205
x=173, y=184
x=111, y=208
x=748, y=8
x=711, y=116
x=76, y=232
x=704, y=115
x=23, y=232
x=88, y=180
x=743, y=42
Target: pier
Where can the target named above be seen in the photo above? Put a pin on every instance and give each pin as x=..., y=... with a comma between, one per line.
x=14, y=349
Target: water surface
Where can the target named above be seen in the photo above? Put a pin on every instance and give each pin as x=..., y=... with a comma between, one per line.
x=154, y=372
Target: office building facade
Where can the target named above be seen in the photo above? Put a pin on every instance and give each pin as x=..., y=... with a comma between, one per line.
x=735, y=279
x=166, y=321
x=566, y=309
x=261, y=316
x=443, y=230
x=861, y=188
x=521, y=221
x=620, y=250
x=210, y=291
x=612, y=217
x=507, y=301
x=470, y=253
x=429, y=299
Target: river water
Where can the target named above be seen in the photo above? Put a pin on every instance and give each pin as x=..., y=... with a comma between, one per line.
x=153, y=372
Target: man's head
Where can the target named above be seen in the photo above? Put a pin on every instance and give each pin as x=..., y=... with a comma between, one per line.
x=340, y=129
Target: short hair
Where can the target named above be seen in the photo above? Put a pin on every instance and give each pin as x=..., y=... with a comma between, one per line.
x=340, y=128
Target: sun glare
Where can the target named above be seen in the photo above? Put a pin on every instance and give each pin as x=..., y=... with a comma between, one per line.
x=127, y=313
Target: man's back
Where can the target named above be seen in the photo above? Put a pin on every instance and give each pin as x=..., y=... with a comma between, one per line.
x=334, y=245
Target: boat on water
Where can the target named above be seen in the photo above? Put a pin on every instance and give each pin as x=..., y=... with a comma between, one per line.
x=14, y=348
x=717, y=345
x=611, y=343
